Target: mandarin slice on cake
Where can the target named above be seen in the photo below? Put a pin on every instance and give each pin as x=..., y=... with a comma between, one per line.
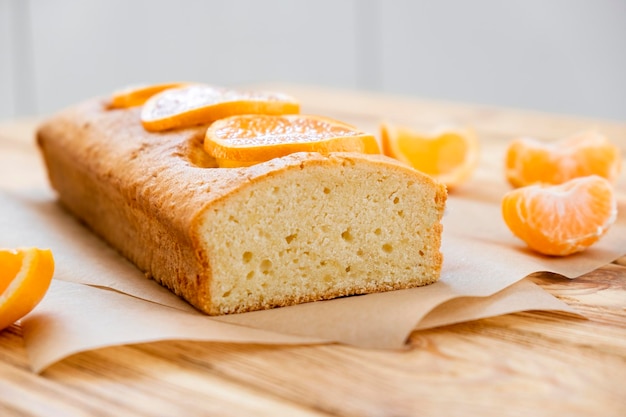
x=250, y=139
x=203, y=104
x=137, y=95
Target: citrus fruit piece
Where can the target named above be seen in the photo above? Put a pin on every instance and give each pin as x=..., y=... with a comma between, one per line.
x=529, y=161
x=137, y=95
x=450, y=155
x=25, y=276
x=561, y=219
x=248, y=139
x=203, y=104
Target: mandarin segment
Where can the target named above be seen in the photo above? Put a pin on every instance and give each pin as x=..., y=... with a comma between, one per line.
x=530, y=161
x=448, y=154
x=249, y=139
x=202, y=104
x=10, y=264
x=25, y=275
x=561, y=219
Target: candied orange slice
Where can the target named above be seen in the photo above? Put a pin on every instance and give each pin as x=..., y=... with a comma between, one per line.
x=561, y=219
x=249, y=139
x=137, y=95
x=450, y=155
x=530, y=161
x=25, y=275
x=203, y=104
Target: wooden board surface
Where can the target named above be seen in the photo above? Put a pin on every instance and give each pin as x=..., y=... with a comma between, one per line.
x=532, y=363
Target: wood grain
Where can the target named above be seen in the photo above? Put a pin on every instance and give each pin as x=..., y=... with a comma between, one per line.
x=531, y=363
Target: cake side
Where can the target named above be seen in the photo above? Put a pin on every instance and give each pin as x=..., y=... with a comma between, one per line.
x=138, y=191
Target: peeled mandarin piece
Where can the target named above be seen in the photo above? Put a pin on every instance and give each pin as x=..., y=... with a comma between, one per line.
x=202, y=104
x=530, y=161
x=561, y=219
x=249, y=139
x=10, y=264
x=25, y=275
x=137, y=95
x=447, y=154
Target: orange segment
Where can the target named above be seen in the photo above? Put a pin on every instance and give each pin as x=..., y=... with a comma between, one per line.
x=561, y=219
x=25, y=276
x=202, y=104
x=449, y=155
x=249, y=139
x=530, y=161
x=138, y=94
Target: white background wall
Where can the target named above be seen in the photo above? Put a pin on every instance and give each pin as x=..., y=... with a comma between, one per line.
x=565, y=56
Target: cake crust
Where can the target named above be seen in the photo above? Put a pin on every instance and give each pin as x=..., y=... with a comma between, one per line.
x=159, y=200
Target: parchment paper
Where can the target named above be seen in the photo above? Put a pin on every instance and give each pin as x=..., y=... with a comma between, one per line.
x=99, y=299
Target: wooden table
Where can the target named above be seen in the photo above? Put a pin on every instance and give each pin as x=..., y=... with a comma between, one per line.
x=526, y=364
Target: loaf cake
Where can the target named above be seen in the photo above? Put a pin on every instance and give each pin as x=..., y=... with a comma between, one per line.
x=299, y=228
